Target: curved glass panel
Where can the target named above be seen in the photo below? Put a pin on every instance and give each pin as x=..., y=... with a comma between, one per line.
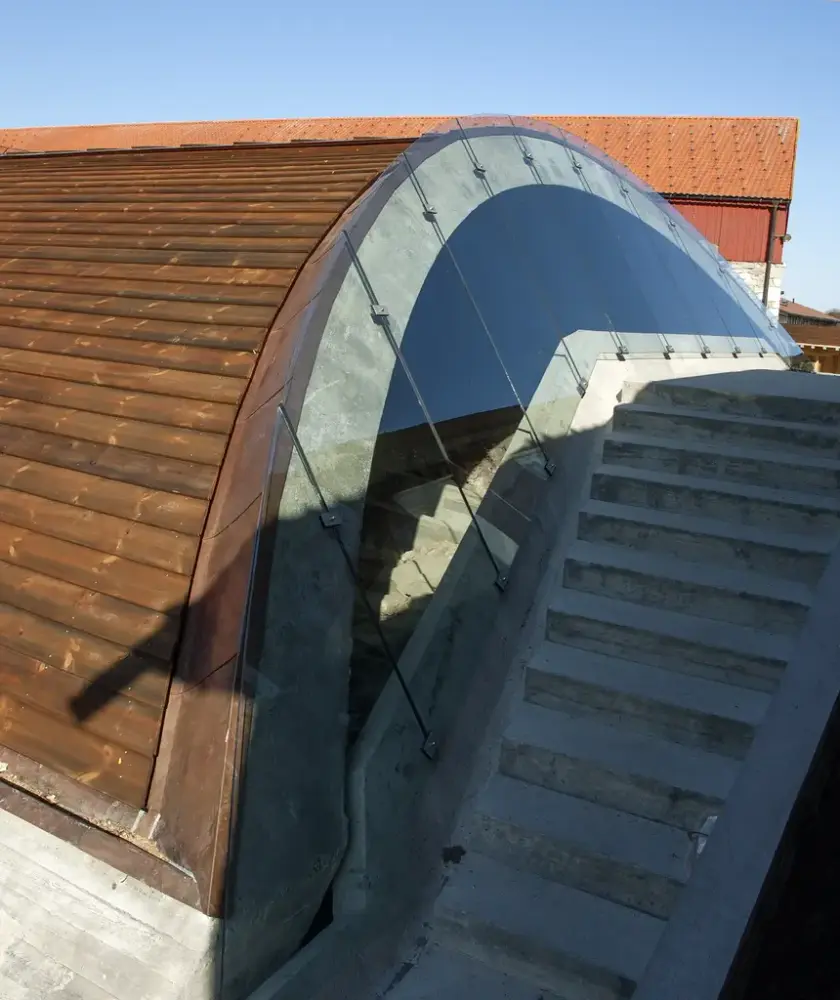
x=422, y=453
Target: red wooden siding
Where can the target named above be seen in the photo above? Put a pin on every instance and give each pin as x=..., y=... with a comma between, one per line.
x=739, y=231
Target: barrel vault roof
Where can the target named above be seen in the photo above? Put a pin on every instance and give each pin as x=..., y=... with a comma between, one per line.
x=136, y=291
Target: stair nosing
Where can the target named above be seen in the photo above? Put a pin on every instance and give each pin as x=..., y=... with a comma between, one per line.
x=735, y=418
x=705, y=773
x=741, y=639
x=789, y=498
x=545, y=804
x=725, y=449
x=673, y=568
x=605, y=922
x=713, y=527
x=631, y=677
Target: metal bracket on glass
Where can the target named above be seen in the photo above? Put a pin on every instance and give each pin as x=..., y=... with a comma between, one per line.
x=705, y=350
x=478, y=169
x=577, y=165
x=550, y=467
x=527, y=155
x=620, y=346
x=430, y=747
x=429, y=213
x=502, y=581
x=379, y=314
x=331, y=519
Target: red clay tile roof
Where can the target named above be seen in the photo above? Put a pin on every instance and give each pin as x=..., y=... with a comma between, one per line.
x=797, y=309
x=719, y=157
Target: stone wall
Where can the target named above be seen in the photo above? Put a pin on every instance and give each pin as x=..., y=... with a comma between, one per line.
x=753, y=274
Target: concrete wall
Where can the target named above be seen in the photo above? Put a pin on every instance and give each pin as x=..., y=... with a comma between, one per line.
x=753, y=275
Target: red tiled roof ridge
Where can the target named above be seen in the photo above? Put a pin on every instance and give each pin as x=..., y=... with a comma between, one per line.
x=734, y=157
x=395, y=118
x=799, y=309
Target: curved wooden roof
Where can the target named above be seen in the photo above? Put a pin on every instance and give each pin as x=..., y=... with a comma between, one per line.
x=136, y=292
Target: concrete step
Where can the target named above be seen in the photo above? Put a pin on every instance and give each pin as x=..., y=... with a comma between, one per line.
x=635, y=772
x=603, y=851
x=715, y=717
x=674, y=641
x=743, y=598
x=691, y=496
x=717, y=460
x=704, y=425
x=442, y=974
x=568, y=941
x=777, y=397
x=707, y=540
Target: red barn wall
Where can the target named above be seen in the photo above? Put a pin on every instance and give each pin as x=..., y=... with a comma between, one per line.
x=739, y=231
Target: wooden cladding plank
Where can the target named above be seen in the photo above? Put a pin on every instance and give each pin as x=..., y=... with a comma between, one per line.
x=109, y=618
x=158, y=473
x=324, y=209
x=127, y=518
x=163, y=291
x=368, y=150
x=139, y=544
x=105, y=573
x=236, y=213
x=290, y=244
x=202, y=259
x=117, y=375
x=175, y=357
x=238, y=279
x=272, y=193
x=120, y=720
x=161, y=183
x=111, y=666
x=183, y=311
x=107, y=767
x=192, y=175
x=200, y=415
x=138, y=329
x=173, y=227
x=155, y=439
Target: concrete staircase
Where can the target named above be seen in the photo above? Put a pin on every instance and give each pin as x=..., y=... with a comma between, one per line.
x=708, y=524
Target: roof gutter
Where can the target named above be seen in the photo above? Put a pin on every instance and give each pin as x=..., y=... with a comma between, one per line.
x=720, y=199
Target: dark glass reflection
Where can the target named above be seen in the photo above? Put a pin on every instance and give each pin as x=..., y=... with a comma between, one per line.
x=598, y=266
x=526, y=269
x=479, y=472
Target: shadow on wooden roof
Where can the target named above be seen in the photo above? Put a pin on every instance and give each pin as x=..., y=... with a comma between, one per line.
x=136, y=293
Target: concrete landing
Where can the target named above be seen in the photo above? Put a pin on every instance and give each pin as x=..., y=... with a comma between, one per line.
x=74, y=928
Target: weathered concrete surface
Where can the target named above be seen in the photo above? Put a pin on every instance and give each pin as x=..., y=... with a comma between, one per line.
x=73, y=927
x=659, y=670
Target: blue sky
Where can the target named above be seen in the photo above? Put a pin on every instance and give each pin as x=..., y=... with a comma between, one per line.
x=93, y=61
